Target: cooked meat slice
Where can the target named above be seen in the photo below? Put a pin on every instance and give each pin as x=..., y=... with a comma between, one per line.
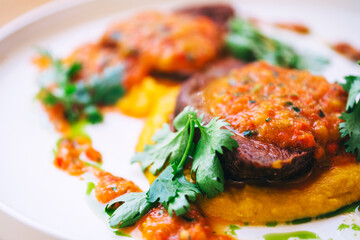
x=253, y=159
x=218, y=12
x=188, y=93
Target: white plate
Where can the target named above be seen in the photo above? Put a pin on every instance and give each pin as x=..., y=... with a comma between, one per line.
x=33, y=191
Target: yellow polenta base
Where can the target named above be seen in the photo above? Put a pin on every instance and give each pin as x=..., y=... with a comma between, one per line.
x=332, y=190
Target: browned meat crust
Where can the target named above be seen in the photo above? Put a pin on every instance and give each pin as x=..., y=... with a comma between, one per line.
x=252, y=160
x=218, y=12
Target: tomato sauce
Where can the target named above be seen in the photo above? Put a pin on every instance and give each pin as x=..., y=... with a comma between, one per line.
x=295, y=27
x=167, y=42
x=158, y=225
x=73, y=154
x=347, y=50
x=96, y=57
x=289, y=108
x=110, y=187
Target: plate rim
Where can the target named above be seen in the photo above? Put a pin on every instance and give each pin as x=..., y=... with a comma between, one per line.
x=36, y=14
x=6, y=31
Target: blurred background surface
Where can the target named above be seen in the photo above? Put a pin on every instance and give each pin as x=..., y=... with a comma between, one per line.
x=10, y=9
x=12, y=229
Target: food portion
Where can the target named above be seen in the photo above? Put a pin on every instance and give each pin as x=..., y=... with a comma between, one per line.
x=170, y=155
x=95, y=58
x=283, y=119
x=324, y=192
x=246, y=42
x=167, y=42
x=249, y=138
x=158, y=225
x=170, y=45
x=331, y=184
x=75, y=155
x=69, y=98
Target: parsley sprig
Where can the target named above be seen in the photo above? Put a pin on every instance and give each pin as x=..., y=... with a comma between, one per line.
x=246, y=42
x=80, y=98
x=351, y=126
x=171, y=151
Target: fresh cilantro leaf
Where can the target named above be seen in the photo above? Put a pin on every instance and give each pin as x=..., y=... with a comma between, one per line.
x=47, y=98
x=206, y=165
x=162, y=189
x=182, y=119
x=93, y=114
x=106, y=88
x=170, y=188
x=209, y=174
x=133, y=207
x=349, y=80
x=186, y=192
x=74, y=69
x=351, y=126
x=246, y=42
x=353, y=94
x=173, y=192
x=169, y=146
x=80, y=98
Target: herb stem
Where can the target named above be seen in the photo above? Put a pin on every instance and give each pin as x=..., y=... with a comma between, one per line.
x=188, y=146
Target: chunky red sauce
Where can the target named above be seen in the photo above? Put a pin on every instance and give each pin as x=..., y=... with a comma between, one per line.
x=347, y=50
x=289, y=108
x=167, y=42
x=110, y=187
x=72, y=154
x=158, y=225
x=95, y=58
x=295, y=27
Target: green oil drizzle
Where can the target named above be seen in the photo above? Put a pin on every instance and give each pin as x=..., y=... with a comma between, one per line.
x=347, y=209
x=301, y=220
x=343, y=226
x=355, y=227
x=90, y=187
x=232, y=229
x=118, y=233
x=78, y=129
x=286, y=236
x=271, y=224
